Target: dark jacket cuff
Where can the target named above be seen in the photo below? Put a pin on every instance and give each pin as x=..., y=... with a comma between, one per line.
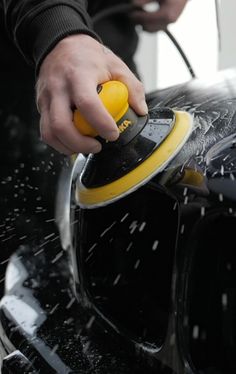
x=48, y=28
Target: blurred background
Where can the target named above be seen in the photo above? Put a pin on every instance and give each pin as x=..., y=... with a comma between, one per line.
x=205, y=31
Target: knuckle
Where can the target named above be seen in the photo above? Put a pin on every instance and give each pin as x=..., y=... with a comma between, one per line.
x=70, y=73
x=52, y=83
x=171, y=16
x=46, y=87
x=41, y=103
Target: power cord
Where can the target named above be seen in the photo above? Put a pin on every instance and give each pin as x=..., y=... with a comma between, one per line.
x=181, y=52
x=218, y=23
x=125, y=8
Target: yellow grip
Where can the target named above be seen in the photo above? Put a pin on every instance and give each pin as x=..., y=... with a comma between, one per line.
x=114, y=96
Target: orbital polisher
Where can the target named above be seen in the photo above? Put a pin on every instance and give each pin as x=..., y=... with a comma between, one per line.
x=145, y=146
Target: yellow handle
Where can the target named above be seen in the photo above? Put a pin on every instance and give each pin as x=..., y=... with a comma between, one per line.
x=114, y=96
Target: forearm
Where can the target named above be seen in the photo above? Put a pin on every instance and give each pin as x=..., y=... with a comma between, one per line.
x=37, y=27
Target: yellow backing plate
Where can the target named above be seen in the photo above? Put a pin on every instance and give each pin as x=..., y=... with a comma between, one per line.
x=100, y=196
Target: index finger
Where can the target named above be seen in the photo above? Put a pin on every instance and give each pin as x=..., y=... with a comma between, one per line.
x=86, y=99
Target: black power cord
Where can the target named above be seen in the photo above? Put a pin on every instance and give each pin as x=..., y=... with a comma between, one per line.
x=218, y=23
x=181, y=52
x=126, y=8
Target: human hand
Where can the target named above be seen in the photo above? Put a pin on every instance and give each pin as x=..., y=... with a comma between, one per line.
x=68, y=79
x=168, y=12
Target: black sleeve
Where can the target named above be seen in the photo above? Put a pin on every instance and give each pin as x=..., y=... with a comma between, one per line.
x=36, y=26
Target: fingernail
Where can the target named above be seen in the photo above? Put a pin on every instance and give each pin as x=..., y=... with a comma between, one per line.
x=113, y=135
x=97, y=148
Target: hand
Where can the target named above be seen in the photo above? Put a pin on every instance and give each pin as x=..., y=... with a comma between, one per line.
x=68, y=79
x=168, y=12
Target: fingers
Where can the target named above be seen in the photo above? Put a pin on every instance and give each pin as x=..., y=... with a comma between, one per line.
x=136, y=95
x=136, y=90
x=58, y=131
x=48, y=137
x=87, y=101
x=68, y=78
x=168, y=12
x=57, y=128
x=151, y=21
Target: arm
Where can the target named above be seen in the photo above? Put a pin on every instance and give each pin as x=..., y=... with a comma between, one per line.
x=68, y=78
x=168, y=12
x=36, y=27
x=70, y=62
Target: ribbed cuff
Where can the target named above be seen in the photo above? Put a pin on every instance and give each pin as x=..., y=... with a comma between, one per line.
x=48, y=28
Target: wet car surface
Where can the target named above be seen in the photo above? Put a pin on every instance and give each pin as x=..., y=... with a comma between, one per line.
x=45, y=328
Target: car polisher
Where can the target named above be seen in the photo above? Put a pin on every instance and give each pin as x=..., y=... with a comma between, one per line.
x=145, y=146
